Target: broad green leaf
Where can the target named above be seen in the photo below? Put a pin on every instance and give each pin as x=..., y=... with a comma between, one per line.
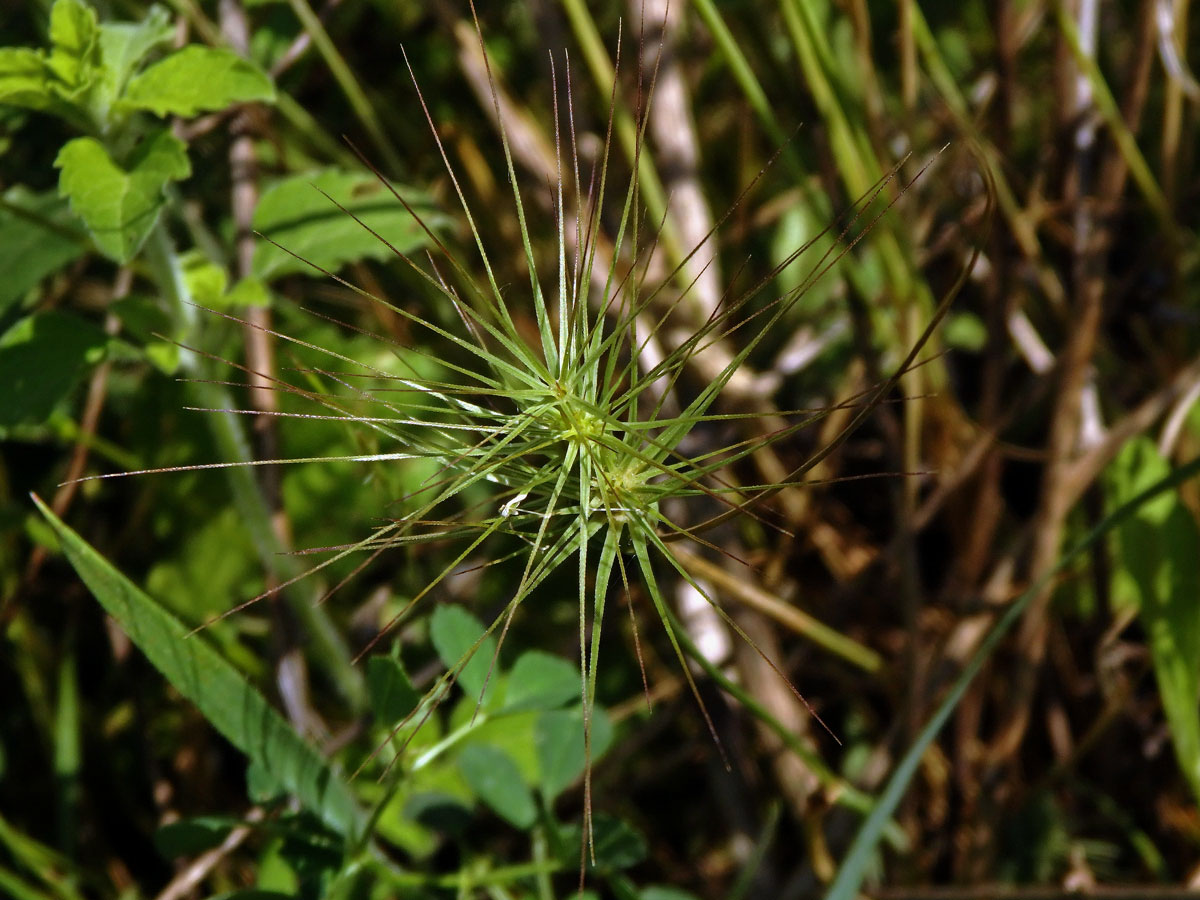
x=120, y=206
x=75, y=50
x=123, y=45
x=42, y=358
x=1159, y=549
x=297, y=215
x=540, y=680
x=495, y=779
x=558, y=737
x=198, y=79
x=262, y=786
x=192, y=836
x=225, y=698
x=36, y=240
x=454, y=632
x=392, y=695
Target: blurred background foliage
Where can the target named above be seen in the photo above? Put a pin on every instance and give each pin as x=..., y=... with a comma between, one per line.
x=1062, y=383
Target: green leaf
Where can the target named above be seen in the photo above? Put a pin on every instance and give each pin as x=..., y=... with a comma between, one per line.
x=123, y=45
x=206, y=281
x=495, y=779
x=198, y=79
x=558, y=737
x=42, y=358
x=250, y=291
x=25, y=79
x=297, y=215
x=454, y=632
x=541, y=680
x=75, y=54
x=191, y=837
x=220, y=692
x=36, y=239
x=392, y=695
x=618, y=844
x=1159, y=548
x=120, y=206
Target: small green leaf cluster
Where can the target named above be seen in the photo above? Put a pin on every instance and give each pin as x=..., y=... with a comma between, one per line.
x=98, y=77
x=513, y=741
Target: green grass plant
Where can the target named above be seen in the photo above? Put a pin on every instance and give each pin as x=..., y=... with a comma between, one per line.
x=570, y=447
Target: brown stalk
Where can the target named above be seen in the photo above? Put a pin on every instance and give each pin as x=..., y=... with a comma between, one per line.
x=1061, y=478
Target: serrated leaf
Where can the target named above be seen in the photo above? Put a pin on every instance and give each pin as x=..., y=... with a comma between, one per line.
x=42, y=358
x=120, y=206
x=392, y=695
x=75, y=50
x=1159, y=548
x=123, y=45
x=36, y=239
x=494, y=778
x=454, y=632
x=558, y=737
x=297, y=214
x=198, y=79
x=540, y=680
x=204, y=677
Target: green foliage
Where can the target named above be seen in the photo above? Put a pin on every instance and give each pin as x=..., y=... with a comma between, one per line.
x=457, y=635
x=42, y=357
x=35, y=241
x=119, y=205
x=305, y=217
x=197, y=79
x=494, y=778
x=392, y=694
x=542, y=438
x=227, y=700
x=1158, y=549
